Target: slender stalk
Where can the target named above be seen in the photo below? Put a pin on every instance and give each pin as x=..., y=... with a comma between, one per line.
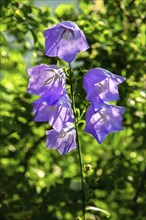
x=77, y=139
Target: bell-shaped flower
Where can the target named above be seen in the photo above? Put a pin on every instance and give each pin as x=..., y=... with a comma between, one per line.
x=100, y=83
x=64, y=141
x=47, y=80
x=106, y=120
x=65, y=40
x=56, y=113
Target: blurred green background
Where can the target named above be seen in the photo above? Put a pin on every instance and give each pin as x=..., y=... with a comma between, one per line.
x=39, y=184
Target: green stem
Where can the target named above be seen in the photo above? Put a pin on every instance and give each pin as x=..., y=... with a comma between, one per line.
x=77, y=139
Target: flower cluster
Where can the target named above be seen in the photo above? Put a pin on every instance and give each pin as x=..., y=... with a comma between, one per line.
x=53, y=106
x=101, y=117
x=65, y=40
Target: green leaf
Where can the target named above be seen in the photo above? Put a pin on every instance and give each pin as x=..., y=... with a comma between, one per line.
x=95, y=209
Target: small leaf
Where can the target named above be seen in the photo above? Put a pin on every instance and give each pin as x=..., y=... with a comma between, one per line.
x=92, y=208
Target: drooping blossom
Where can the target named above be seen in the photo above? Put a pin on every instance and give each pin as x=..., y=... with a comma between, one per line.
x=47, y=80
x=65, y=40
x=100, y=84
x=106, y=120
x=64, y=141
x=56, y=113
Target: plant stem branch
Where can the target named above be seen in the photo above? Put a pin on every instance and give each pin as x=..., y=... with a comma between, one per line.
x=77, y=139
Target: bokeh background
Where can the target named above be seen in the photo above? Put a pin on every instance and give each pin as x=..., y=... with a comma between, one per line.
x=39, y=184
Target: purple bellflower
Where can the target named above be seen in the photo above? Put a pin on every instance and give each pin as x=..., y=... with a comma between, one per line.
x=57, y=114
x=65, y=40
x=64, y=141
x=106, y=120
x=101, y=85
x=47, y=80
